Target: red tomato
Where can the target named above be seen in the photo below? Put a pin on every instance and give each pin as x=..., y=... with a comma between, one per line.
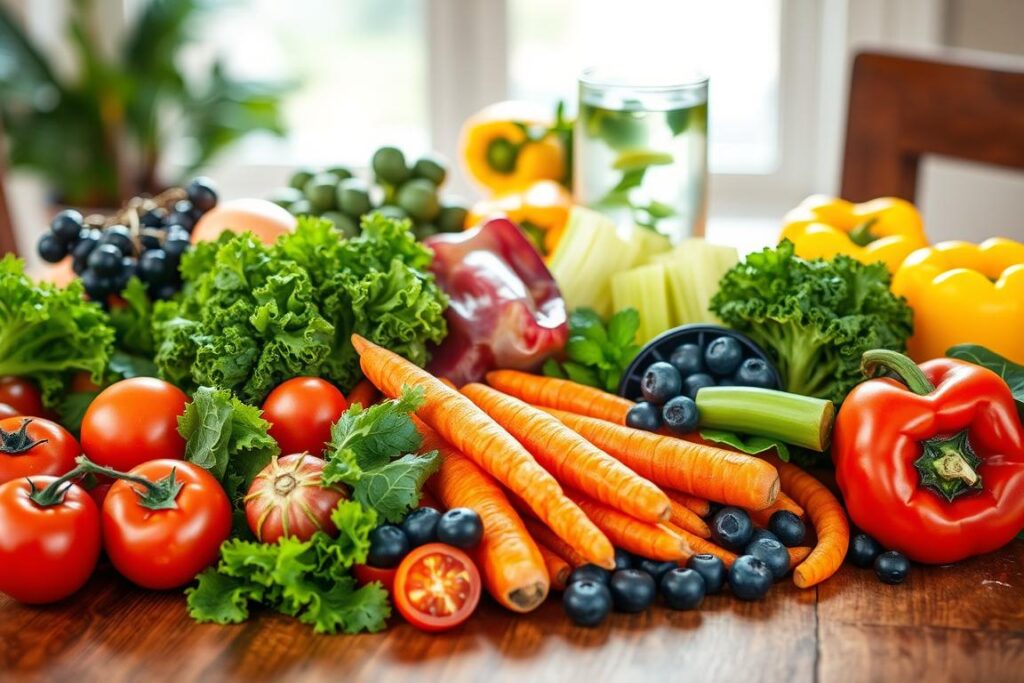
x=47, y=553
x=22, y=395
x=31, y=446
x=165, y=548
x=437, y=587
x=82, y=383
x=134, y=421
x=301, y=412
x=99, y=490
x=287, y=499
x=365, y=574
x=7, y=410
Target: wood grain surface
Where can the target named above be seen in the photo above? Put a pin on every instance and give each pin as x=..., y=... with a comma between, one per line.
x=961, y=623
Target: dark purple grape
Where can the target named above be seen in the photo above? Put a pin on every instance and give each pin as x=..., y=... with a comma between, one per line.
x=202, y=193
x=87, y=241
x=128, y=265
x=163, y=292
x=120, y=237
x=105, y=260
x=183, y=215
x=66, y=225
x=154, y=218
x=154, y=267
x=176, y=244
x=97, y=286
x=50, y=248
x=149, y=240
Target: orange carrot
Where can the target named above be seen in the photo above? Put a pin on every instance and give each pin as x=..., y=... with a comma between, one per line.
x=782, y=502
x=699, y=546
x=705, y=471
x=572, y=459
x=798, y=554
x=558, y=569
x=514, y=569
x=829, y=520
x=544, y=536
x=472, y=432
x=698, y=505
x=561, y=394
x=652, y=541
x=363, y=393
x=685, y=518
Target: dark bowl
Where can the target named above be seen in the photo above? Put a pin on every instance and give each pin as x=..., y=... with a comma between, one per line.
x=662, y=346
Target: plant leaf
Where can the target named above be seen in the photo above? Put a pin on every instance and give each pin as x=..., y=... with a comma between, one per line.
x=1011, y=373
x=752, y=445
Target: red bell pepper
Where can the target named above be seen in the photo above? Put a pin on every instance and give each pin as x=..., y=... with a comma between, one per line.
x=933, y=466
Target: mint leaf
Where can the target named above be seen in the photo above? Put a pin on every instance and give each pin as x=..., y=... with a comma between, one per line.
x=581, y=374
x=752, y=445
x=585, y=351
x=394, y=489
x=623, y=326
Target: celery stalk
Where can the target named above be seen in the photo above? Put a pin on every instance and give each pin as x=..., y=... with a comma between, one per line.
x=792, y=418
x=644, y=288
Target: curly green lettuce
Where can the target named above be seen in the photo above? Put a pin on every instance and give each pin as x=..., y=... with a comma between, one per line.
x=813, y=318
x=48, y=333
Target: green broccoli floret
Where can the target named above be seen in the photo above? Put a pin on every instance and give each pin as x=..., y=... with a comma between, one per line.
x=813, y=318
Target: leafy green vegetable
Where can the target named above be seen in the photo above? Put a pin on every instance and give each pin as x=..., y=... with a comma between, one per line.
x=1011, y=373
x=133, y=322
x=814, y=318
x=597, y=355
x=251, y=315
x=372, y=451
x=229, y=439
x=48, y=333
x=306, y=579
x=753, y=445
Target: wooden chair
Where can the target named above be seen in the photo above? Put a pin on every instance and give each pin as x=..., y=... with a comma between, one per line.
x=903, y=107
x=7, y=241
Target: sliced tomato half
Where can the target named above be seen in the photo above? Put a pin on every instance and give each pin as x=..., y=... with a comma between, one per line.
x=365, y=574
x=437, y=587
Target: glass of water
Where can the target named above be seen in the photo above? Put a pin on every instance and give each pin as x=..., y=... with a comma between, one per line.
x=641, y=153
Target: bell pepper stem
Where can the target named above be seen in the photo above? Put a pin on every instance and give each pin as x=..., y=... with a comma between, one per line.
x=502, y=154
x=954, y=466
x=896, y=363
x=949, y=466
x=862, y=235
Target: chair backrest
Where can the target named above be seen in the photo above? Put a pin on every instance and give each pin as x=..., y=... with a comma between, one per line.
x=7, y=241
x=902, y=107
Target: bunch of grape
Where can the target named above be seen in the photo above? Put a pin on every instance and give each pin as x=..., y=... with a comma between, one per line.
x=398, y=190
x=146, y=239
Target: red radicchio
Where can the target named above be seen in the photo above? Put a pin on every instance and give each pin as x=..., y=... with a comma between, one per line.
x=505, y=310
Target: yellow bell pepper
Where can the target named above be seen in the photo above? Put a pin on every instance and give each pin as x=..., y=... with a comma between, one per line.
x=541, y=210
x=887, y=229
x=509, y=145
x=965, y=293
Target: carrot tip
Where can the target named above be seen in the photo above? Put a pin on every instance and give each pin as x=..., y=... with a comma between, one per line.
x=360, y=343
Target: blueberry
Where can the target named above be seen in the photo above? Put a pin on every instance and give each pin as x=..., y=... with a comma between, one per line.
x=688, y=359
x=723, y=356
x=66, y=226
x=632, y=590
x=682, y=588
x=590, y=572
x=750, y=578
x=587, y=603
x=660, y=382
x=120, y=237
x=460, y=527
x=711, y=569
x=202, y=194
x=772, y=553
x=420, y=526
x=864, y=550
x=50, y=248
x=105, y=260
x=788, y=527
x=694, y=383
x=892, y=567
x=388, y=545
x=656, y=568
x=154, y=267
x=680, y=414
x=644, y=415
x=154, y=218
x=754, y=372
x=624, y=559
x=732, y=528
x=763, y=533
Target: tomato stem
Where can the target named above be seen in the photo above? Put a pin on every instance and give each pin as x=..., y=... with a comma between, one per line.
x=158, y=495
x=19, y=442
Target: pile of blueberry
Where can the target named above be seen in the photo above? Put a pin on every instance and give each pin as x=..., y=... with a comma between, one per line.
x=147, y=241
x=670, y=388
x=890, y=566
x=390, y=543
x=592, y=592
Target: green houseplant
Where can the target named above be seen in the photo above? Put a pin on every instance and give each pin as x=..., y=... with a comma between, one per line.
x=97, y=136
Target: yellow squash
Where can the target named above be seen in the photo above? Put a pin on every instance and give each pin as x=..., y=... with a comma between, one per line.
x=887, y=229
x=965, y=293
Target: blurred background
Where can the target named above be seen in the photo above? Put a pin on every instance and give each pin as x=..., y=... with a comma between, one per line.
x=105, y=98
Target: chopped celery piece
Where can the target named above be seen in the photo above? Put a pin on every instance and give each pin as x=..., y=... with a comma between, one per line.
x=644, y=288
x=694, y=270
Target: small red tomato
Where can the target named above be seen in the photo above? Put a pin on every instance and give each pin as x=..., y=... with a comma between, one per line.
x=365, y=574
x=31, y=446
x=47, y=551
x=161, y=535
x=134, y=421
x=22, y=395
x=6, y=410
x=437, y=587
x=288, y=499
x=301, y=412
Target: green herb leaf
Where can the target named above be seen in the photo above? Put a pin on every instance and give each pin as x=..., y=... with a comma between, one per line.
x=581, y=374
x=1012, y=373
x=596, y=356
x=394, y=489
x=753, y=445
x=72, y=409
x=220, y=598
x=380, y=432
x=623, y=327
x=585, y=351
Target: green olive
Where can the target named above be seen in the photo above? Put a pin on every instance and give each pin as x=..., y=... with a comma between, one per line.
x=425, y=230
x=353, y=197
x=392, y=211
x=342, y=223
x=452, y=218
x=300, y=178
x=419, y=199
x=320, y=191
x=286, y=196
x=432, y=168
x=302, y=208
x=389, y=165
x=340, y=172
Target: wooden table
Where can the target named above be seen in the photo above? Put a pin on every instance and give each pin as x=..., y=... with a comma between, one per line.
x=959, y=623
